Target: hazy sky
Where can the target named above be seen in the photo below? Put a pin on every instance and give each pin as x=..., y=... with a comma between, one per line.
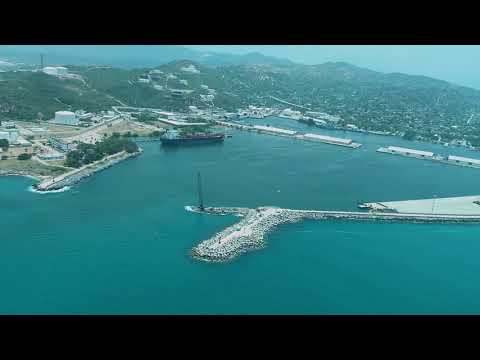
x=455, y=63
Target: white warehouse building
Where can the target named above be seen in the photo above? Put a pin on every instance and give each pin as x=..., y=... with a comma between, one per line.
x=410, y=152
x=55, y=70
x=65, y=118
x=274, y=130
x=463, y=161
x=329, y=139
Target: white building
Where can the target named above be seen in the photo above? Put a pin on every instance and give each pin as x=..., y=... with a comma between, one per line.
x=409, y=152
x=274, y=130
x=55, y=70
x=329, y=139
x=65, y=118
x=50, y=70
x=10, y=135
x=289, y=113
x=463, y=161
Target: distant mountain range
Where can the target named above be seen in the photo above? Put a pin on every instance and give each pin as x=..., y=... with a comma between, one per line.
x=127, y=56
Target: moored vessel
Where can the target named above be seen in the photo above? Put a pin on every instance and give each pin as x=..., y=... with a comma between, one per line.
x=173, y=137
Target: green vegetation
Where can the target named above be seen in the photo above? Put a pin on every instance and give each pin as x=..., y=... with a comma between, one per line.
x=88, y=153
x=129, y=134
x=4, y=144
x=409, y=135
x=24, y=156
x=155, y=133
x=146, y=117
x=29, y=167
x=421, y=107
x=31, y=96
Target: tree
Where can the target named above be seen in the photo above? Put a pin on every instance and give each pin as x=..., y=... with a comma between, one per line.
x=409, y=135
x=74, y=159
x=4, y=144
x=24, y=156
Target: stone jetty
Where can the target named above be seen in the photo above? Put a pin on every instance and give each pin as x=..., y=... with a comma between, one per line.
x=249, y=232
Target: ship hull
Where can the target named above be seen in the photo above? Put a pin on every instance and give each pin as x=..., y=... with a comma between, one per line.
x=193, y=141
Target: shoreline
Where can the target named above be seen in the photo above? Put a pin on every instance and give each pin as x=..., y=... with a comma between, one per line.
x=374, y=132
x=72, y=177
x=30, y=176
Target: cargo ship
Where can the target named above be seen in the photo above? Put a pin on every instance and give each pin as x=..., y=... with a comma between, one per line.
x=173, y=137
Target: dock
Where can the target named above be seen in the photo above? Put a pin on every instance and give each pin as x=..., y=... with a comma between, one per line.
x=291, y=134
x=248, y=234
x=428, y=155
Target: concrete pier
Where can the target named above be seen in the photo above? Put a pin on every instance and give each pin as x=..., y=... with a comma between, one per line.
x=291, y=134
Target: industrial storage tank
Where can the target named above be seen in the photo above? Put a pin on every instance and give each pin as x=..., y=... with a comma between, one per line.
x=65, y=117
x=50, y=70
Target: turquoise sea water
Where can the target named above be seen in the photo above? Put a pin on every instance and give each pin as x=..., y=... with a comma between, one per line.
x=117, y=243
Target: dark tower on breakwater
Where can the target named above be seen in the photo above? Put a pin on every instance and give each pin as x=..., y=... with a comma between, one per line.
x=200, y=195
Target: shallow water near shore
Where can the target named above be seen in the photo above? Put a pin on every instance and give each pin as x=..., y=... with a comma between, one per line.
x=118, y=242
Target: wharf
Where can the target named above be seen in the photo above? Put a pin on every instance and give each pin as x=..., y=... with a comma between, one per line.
x=289, y=134
x=450, y=160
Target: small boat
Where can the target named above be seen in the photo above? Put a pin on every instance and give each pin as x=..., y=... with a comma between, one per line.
x=363, y=205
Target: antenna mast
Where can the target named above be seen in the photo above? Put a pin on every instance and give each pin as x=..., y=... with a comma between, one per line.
x=41, y=61
x=200, y=195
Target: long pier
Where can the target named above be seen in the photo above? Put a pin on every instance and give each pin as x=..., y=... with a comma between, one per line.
x=291, y=134
x=249, y=232
x=73, y=176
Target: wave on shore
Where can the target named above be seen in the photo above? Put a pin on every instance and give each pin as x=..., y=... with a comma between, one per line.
x=63, y=189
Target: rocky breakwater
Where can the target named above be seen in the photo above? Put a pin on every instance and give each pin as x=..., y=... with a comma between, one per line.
x=247, y=234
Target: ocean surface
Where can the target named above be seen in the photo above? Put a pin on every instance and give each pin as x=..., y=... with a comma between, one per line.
x=117, y=243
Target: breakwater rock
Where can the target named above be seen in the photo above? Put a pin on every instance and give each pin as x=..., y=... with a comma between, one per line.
x=249, y=232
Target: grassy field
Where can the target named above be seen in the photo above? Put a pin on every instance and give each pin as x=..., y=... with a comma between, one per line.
x=29, y=167
x=124, y=127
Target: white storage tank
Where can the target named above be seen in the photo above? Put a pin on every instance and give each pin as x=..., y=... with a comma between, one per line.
x=50, y=70
x=65, y=118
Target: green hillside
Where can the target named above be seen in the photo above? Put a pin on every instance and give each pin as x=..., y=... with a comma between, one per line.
x=23, y=95
x=422, y=107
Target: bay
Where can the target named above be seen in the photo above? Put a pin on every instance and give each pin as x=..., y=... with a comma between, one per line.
x=117, y=243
